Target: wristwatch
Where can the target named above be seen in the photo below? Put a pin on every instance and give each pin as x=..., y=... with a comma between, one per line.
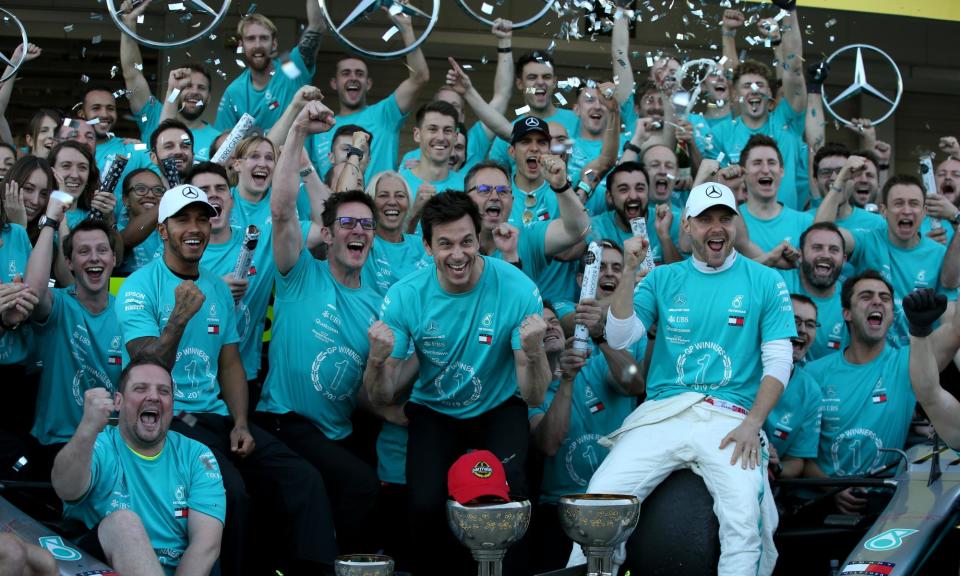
x=632, y=147
x=354, y=151
x=48, y=222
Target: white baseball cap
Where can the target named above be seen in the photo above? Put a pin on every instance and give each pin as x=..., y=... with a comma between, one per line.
x=179, y=197
x=708, y=195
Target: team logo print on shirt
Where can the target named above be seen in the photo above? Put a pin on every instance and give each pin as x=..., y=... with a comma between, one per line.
x=486, y=339
x=213, y=329
x=868, y=568
x=781, y=433
x=181, y=512
x=114, y=360
x=735, y=321
x=879, y=393
x=833, y=344
x=273, y=105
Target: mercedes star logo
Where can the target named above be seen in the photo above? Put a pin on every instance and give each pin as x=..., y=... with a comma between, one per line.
x=713, y=192
x=191, y=192
x=532, y=122
x=861, y=85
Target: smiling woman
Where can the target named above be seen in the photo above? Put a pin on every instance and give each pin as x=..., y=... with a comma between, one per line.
x=77, y=174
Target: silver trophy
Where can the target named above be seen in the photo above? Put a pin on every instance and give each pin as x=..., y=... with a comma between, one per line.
x=488, y=530
x=599, y=523
x=363, y=565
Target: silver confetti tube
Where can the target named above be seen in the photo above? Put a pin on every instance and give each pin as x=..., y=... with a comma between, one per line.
x=930, y=183
x=170, y=171
x=250, y=239
x=581, y=335
x=225, y=151
x=639, y=228
x=112, y=170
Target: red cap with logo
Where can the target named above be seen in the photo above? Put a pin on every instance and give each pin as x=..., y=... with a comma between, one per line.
x=477, y=474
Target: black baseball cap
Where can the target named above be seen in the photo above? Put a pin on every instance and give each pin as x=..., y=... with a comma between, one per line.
x=527, y=125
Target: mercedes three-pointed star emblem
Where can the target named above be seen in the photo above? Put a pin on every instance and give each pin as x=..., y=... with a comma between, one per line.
x=861, y=85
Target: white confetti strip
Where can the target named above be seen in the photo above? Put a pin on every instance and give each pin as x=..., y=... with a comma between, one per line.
x=560, y=98
x=140, y=146
x=176, y=7
x=486, y=9
x=390, y=33
x=290, y=69
x=172, y=98
x=522, y=111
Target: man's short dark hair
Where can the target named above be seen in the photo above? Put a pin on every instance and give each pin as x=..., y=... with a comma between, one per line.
x=537, y=56
x=846, y=293
x=829, y=227
x=333, y=203
x=449, y=206
x=826, y=151
x=348, y=130
x=624, y=167
x=485, y=165
x=869, y=155
x=806, y=300
x=759, y=141
x=142, y=359
x=87, y=225
x=168, y=124
x=440, y=107
x=758, y=68
x=96, y=88
x=128, y=180
x=194, y=67
x=605, y=244
x=208, y=168
x=902, y=180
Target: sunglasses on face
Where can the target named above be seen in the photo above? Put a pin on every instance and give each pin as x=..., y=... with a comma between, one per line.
x=485, y=190
x=349, y=223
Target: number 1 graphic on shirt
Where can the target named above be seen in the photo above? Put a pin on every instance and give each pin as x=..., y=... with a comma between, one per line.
x=590, y=455
x=338, y=377
x=702, y=372
x=855, y=448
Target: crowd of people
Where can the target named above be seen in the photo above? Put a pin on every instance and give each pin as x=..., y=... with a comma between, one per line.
x=769, y=303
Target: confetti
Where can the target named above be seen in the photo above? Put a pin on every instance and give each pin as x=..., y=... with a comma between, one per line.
x=395, y=9
x=68, y=28
x=140, y=146
x=174, y=94
x=522, y=111
x=84, y=78
x=96, y=39
x=290, y=69
x=486, y=9
x=390, y=33
x=176, y=7
x=560, y=98
x=93, y=122
x=830, y=23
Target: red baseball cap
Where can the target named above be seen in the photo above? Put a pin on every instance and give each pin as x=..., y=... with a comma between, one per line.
x=477, y=474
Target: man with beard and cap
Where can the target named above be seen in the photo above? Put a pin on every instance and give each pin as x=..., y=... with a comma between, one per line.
x=172, y=139
x=267, y=85
x=385, y=118
x=720, y=362
x=767, y=219
x=476, y=328
x=754, y=88
x=868, y=402
x=628, y=194
x=821, y=263
x=828, y=162
x=187, y=96
x=77, y=325
x=152, y=499
x=588, y=400
x=182, y=312
x=908, y=260
x=793, y=426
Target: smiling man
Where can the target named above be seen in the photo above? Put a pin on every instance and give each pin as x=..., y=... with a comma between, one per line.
x=182, y=312
x=720, y=362
x=908, y=260
x=476, y=328
x=172, y=139
x=152, y=499
x=436, y=134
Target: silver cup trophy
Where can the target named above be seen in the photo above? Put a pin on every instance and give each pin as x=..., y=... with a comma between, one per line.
x=489, y=530
x=363, y=565
x=599, y=523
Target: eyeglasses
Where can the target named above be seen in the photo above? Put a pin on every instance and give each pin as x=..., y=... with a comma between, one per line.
x=827, y=172
x=529, y=203
x=808, y=324
x=485, y=190
x=349, y=223
x=142, y=190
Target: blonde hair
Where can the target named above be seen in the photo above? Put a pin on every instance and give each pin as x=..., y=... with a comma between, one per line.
x=255, y=18
x=371, y=189
x=251, y=142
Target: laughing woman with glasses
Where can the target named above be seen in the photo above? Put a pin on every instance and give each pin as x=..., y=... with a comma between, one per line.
x=394, y=254
x=142, y=190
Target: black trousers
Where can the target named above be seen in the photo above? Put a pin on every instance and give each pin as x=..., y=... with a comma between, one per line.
x=293, y=510
x=351, y=483
x=436, y=441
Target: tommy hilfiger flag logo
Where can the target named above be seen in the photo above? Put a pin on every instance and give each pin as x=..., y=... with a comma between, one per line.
x=114, y=360
x=833, y=344
x=735, y=321
x=213, y=329
x=597, y=407
x=181, y=512
x=273, y=105
x=486, y=339
x=781, y=433
x=869, y=568
x=879, y=397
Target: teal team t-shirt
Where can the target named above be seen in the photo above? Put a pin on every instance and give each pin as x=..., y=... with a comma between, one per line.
x=478, y=144
x=832, y=335
x=142, y=254
x=788, y=225
x=710, y=327
x=251, y=313
x=323, y=325
x=80, y=351
x=605, y=227
x=544, y=205
x=865, y=407
x=383, y=119
x=500, y=151
x=464, y=342
x=149, y=118
x=596, y=410
x=267, y=105
x=163, y=491
x=146, y=301
x=14, y=254
x=138, y=156
x=793, y=426
x=388, y=262
x=453, y=181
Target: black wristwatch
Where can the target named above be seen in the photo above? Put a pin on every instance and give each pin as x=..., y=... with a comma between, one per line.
x=563, y=188
x=48, y=222
x=632, y=147
x=354, y=151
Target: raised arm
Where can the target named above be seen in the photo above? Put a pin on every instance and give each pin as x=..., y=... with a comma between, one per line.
x=187, y=302
x=287, y=237
x=794, y=86
x=503, y=78
x=310, y=38
x=41, y=262
x=837, y=195
x=278, y=132
x=731, y=21
x=574, y=223
x=71, y=468
x=385, y=379
x=950, y=269
x=6, y=89
x=458, y=80
x=406, y=93
x=533, y=369
x=131, y=61
x=177, y=80
x=620, y=56
x=550, y=429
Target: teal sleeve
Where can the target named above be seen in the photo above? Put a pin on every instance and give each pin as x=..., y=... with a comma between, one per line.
x=532, y=304
x=808, y=438
x=137, y=312
x=206, y=489
x=777, y=320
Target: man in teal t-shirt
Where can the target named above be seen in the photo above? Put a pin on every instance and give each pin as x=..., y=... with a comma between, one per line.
x=436, y=133
x=720, y=362
x=384, y=119
x=474, y=323
x=15, y=251
x=268, y=85
x=184, y=313
x=151, y=497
